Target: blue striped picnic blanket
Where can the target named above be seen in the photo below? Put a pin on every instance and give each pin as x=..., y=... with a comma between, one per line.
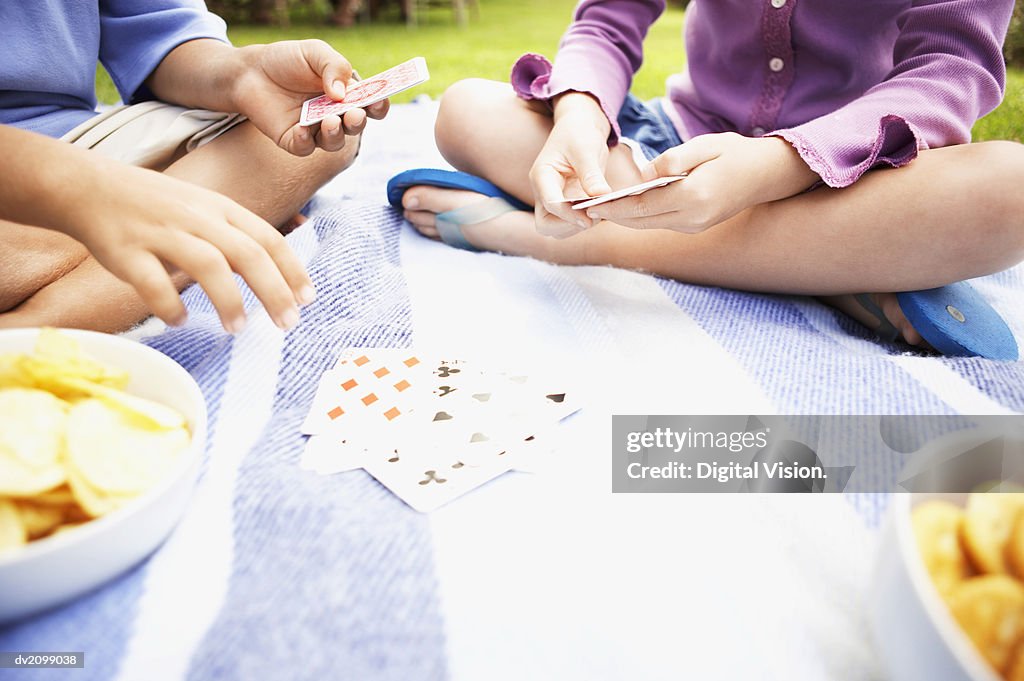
x=278, y=573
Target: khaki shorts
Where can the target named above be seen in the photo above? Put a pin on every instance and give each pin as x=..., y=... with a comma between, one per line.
x=152, y=134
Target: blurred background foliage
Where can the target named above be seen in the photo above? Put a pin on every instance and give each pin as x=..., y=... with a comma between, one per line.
x=376, y=34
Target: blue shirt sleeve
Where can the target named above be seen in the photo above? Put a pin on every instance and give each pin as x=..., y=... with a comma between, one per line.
x=136, y=35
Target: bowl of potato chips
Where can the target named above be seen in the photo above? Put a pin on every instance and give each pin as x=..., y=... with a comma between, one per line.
x=947, y=600
x=100, y=443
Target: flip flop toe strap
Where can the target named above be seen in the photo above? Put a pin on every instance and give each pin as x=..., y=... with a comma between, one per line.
x=450, y=223
x=885, y=331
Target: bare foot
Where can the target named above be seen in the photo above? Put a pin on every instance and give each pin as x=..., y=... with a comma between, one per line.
x=890, y=306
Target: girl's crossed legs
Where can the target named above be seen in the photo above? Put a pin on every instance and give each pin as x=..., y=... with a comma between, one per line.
x=952, y=214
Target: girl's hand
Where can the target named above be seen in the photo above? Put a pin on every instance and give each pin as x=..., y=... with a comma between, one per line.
x=574, y=155
x=727, y=173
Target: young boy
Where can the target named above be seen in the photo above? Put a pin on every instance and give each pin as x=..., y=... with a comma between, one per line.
x=177, y=191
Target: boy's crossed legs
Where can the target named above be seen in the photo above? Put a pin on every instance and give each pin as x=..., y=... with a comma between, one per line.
x=48, y=278
x=950, y=215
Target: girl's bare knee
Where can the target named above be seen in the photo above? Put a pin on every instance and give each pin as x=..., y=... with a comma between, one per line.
x=466, y=117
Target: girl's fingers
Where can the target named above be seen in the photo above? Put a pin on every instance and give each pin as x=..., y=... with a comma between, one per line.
x=555, y=216
x=552, y=225
x=652, y=202
x=683, y=158
x=590, y=171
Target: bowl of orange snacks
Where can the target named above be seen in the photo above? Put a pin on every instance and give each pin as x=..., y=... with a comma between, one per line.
x=948, y=595
x=100, y=443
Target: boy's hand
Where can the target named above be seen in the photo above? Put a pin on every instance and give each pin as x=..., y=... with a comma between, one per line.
x=277, y=78
x=143, y=225
x=575, y=154
x=727, y=173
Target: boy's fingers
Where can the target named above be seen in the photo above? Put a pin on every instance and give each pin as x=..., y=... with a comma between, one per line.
x=153, y=284
x=285, y=260
x=260, y=272
x=379, y=110
x=298, y=140
x=331, y=136
x=206, y=265
x=354, y=121
x=333, y=68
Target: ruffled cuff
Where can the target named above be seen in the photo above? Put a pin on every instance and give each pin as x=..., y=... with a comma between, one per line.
x=840, y=157
x=531, y=79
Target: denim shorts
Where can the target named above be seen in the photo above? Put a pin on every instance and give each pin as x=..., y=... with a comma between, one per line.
x=648, y=126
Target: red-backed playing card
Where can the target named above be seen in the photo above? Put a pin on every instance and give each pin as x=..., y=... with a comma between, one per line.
x=366, y=92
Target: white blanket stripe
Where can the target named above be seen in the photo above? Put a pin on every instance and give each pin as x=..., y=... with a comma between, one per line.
x=188, y=578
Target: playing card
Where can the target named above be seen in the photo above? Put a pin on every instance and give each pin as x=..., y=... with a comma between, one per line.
x=370, y=389
x=333, y=453
x=428, y=478
x=430, y=427
x=583, y=204
x=367, y=92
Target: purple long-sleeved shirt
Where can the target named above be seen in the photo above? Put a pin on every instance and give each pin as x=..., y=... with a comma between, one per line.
x=852, y=84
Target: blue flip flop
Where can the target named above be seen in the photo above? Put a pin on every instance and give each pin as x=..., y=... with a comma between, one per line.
x=954, y=319
x=450, y=223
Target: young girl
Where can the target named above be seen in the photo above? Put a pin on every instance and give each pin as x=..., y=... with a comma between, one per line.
x=783, y=109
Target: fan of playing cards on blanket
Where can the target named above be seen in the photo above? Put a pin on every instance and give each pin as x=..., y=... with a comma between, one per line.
x=427, y=427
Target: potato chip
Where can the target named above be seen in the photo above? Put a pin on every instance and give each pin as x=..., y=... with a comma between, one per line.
x=114, y=454
x=59, y=496
x=12, y=532
x=38, y=519
x=32, y=424
x=58, y=357
x=94, y=502
x=73, y=445
x=66, y=527
x=989, y=520
x=937, y=526
x=991, y=610
x=151, y=414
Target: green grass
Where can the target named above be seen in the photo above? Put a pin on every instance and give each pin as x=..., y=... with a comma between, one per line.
x=488, y=47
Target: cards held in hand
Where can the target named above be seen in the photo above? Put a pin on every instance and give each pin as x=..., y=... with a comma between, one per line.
x=367, y=92
x=430, y=428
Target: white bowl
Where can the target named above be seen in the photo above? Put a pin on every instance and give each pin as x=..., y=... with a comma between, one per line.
x=56, y=569
x=913, y=629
